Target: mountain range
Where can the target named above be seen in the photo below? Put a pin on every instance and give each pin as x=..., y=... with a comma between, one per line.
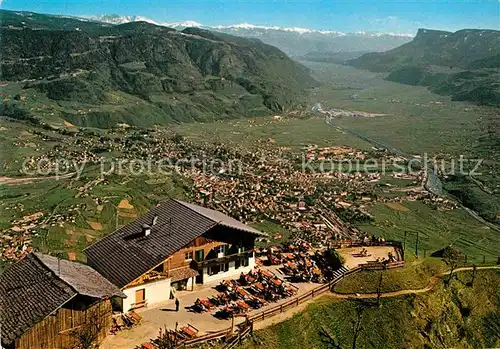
x=464, y=64
x=140, y=73
x=293, y=41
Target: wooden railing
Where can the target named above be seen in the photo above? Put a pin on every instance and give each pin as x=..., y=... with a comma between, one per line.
x=232, y=340
x=379, y=266
x=299, y=299
x=318, y=291
x=244, y=331
x=205, y=338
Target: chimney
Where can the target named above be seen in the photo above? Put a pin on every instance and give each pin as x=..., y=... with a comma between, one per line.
x=146, y=230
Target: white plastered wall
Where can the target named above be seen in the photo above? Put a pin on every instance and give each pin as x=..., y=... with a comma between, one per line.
x=155, y=292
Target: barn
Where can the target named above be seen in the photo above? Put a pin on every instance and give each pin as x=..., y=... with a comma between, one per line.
x=47, y=302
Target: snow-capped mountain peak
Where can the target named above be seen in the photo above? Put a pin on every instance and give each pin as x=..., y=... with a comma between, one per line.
x=247, y=26
x=116, y=19
x=184, y=24
x=295, y=41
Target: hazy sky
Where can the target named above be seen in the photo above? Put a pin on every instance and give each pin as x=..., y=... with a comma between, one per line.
x=346, y=15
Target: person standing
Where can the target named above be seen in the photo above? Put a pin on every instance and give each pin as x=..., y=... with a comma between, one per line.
x=177, y=303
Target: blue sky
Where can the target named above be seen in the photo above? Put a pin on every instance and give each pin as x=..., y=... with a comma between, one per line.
x=347, y=15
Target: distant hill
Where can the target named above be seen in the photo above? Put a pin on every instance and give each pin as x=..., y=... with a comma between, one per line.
x=461, y=49
x=32, y=20
x=331, y=57
x=464, y=64
x=301, y=42
x=192, y=74
x=294, y=41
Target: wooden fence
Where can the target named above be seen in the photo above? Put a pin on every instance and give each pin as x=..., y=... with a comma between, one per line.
x=299, y=299
x=247, y=328
x=205, y=338
x=378, y=266
x=244, y=331
x=318, y=291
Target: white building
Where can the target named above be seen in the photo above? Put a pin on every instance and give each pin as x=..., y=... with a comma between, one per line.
x=175, y=246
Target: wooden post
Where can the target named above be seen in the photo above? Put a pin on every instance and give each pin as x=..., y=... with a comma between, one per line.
x=404, y=244
x=484, y=259
x=175, y=337
x=416, y=246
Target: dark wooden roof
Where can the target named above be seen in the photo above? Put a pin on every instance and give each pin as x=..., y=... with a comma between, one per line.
x=126, y=254
x=182, y=274
x=221, y=218
x=82, y=278
x=31, y=289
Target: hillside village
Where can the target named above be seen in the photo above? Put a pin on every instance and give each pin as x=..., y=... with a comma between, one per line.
x=315, y=211
x=175, y=251
x=267, y=183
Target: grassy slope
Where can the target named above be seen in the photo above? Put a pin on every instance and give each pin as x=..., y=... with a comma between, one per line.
x=414, y=275
x=459, y=317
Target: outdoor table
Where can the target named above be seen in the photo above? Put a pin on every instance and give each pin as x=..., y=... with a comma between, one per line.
x=243, y=305
x=277, y=282
x=267, y=274
x=206, y=303
x=189, y=331
x=259, y=286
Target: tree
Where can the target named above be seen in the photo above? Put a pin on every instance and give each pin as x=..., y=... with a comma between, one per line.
x=451, y=257
x=356, y=324
x=474, y=273
x=334, y=259
x=379, y=288
x=329, y=339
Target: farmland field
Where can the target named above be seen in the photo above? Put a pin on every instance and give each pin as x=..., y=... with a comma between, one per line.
x=415, y=121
